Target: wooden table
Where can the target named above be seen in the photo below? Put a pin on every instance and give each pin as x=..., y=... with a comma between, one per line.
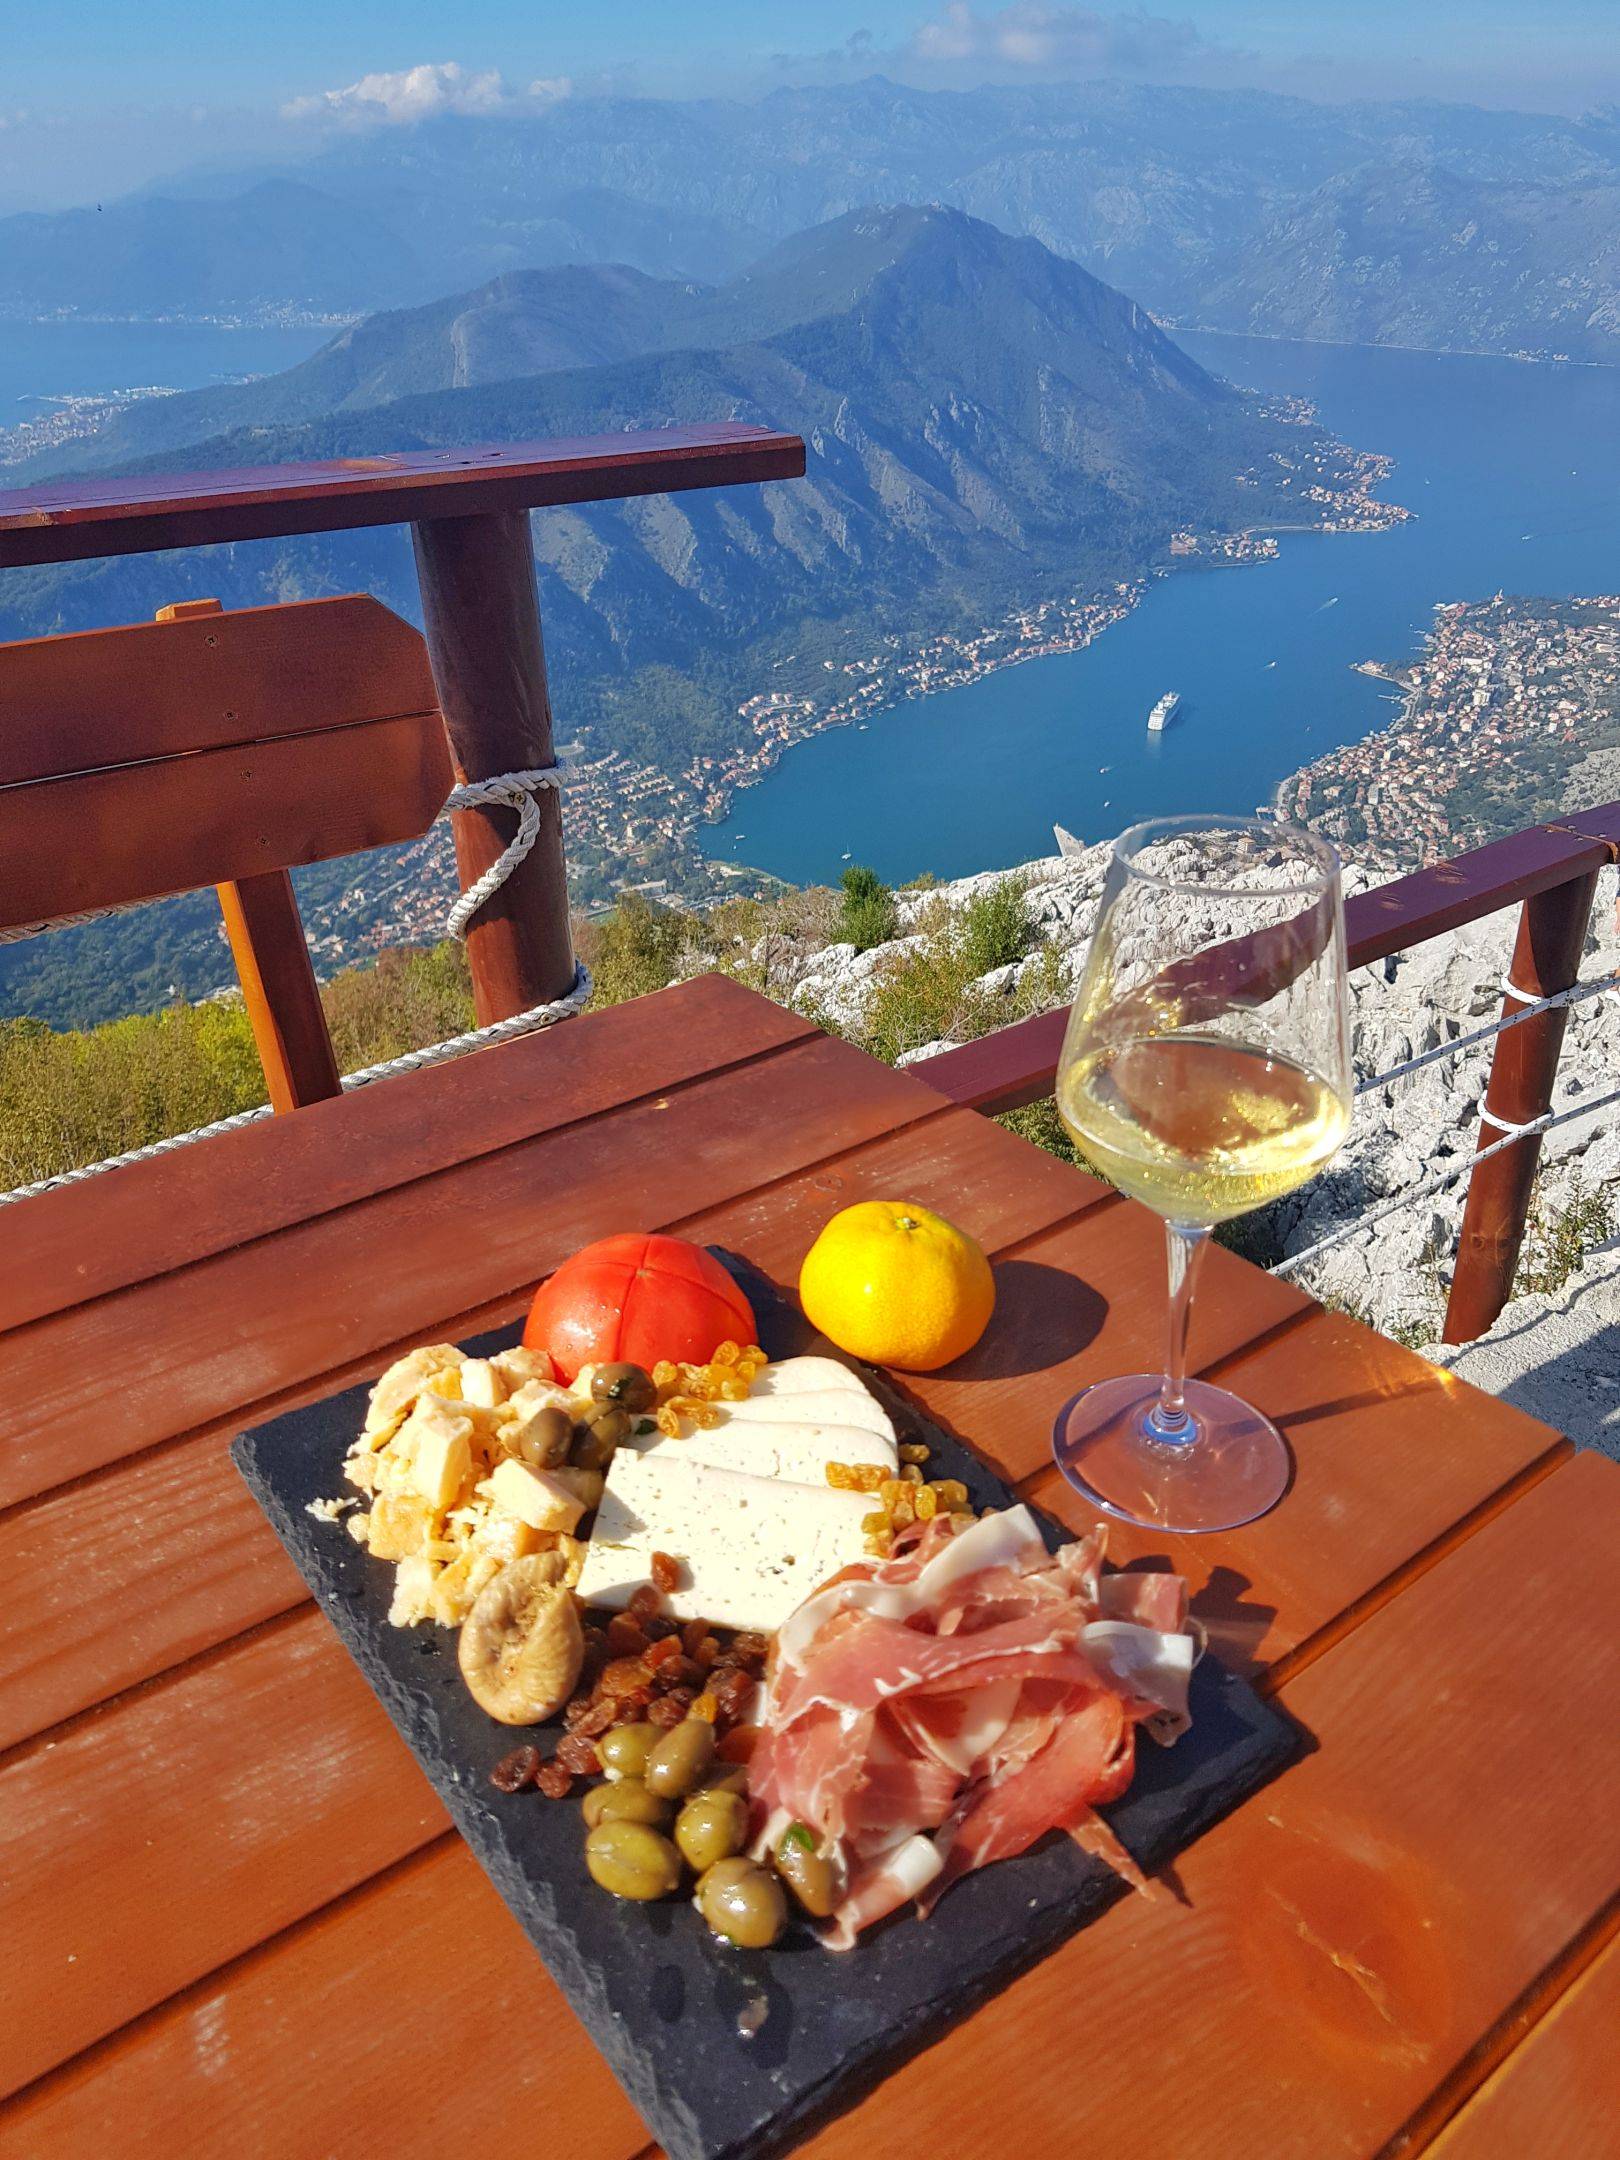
x=234, y=1919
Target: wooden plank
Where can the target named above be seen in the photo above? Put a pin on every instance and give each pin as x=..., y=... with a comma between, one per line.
x=121, y=1577
x=160, y=689
x=1342, y=1941
x=1557, y=2096
x=996, y=1187
x=411, y=2018
x=1366, y=1422
x=138, y=832
x=125, y=1574
x=254, y=1788
x=482, y=616
x=68, y=520
x=1084, y=1303
x=85, y=1240
x=317, y=1297
x=279, y=990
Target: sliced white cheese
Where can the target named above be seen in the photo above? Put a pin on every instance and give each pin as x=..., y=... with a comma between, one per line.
x=808, y=1376
x=798, y=1453
x=750, y=1548
x=814, y=1407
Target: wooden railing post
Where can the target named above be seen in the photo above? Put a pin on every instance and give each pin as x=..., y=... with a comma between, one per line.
x=1524, y=1066
x=481, y=616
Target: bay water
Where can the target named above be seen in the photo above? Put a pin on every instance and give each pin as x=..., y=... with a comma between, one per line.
x=1510, y=468
x=43, y=360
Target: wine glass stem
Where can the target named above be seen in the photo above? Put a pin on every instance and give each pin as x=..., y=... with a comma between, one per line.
x=1169, y=1418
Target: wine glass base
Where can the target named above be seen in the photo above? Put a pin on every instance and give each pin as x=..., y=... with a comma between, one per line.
x=1232, y=1465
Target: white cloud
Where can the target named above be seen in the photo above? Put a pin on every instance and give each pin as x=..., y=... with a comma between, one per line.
x=406, y=95
x=1028, y=35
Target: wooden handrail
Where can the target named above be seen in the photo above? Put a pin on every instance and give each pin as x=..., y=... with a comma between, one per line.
x=468, y=510
x=1551, y=869
x=131, y=514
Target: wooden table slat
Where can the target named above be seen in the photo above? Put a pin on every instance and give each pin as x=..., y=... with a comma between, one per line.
x=1556, y=2097
x=412, y=2018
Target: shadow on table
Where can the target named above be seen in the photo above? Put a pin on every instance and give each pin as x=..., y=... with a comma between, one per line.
x=1043, y=1318
x=1237, y=1623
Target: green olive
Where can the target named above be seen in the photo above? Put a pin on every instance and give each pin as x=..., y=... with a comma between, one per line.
x=712, y=1826
x=626, y=1748
x=809, y=1874
x=627, y=1801
x=632, y=1861
x=743, y=1902
x=680, y=1761
x=731, y=1777
x=629, y=1385
x=599, y=1434
x=550, y=1434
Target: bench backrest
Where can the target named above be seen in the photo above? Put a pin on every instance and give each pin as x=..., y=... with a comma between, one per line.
x=215, y=748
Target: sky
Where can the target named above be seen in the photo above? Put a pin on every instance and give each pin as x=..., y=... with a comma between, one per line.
x=98, y=96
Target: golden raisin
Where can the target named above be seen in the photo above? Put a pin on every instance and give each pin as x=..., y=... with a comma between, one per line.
x=733, y=1390
x=902, y=1514
x=914, y=1451
x=891, y=1491
x=705, y=1416
x=876, y=1524
x=705, y=1707
x=925, y=1504
x=668, y=1422
x=840, y=1477
x=664, y=1374
x=727, y=1354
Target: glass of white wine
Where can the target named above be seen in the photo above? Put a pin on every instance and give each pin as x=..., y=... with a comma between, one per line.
x=1205, y=1071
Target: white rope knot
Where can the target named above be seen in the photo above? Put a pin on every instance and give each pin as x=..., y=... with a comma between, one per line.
x=505, y=791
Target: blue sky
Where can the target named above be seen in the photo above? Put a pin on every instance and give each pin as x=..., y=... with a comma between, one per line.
x=98, y=95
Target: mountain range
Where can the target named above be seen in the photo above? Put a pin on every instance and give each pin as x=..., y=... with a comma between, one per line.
x=1431, y=224
x=988, y=426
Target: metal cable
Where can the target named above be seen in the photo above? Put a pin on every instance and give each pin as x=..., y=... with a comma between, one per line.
x=1439, y=1179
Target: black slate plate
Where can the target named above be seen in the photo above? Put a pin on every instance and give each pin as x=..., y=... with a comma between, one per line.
x=658, y=1995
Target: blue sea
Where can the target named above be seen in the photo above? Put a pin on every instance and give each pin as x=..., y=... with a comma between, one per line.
x=81, y=359
x=1511, y=470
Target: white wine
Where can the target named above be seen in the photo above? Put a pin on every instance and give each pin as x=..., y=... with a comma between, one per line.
x=1198, y=1126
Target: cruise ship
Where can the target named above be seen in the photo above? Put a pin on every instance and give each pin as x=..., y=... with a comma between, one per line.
x=1164, y=712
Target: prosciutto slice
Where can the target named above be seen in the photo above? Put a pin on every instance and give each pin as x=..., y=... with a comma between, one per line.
x=947, y=1707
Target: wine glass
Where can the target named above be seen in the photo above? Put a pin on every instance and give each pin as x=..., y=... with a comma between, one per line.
x=1205, y=1071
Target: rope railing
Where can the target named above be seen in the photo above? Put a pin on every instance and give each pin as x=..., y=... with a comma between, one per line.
x=513, y=790
x=1575, y=995
x=1448, y=1174
x=482, y=1038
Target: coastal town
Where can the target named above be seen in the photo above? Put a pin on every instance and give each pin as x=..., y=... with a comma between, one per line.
x=1507, y=697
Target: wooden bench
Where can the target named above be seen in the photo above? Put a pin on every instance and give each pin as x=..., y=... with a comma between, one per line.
x=219, y=749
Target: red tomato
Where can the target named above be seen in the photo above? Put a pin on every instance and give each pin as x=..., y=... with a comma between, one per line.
x=634, y=1299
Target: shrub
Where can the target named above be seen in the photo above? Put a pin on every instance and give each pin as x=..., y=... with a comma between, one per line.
x=404, y=1001
x=995, y=927
x=634, y=950
x=868, y=916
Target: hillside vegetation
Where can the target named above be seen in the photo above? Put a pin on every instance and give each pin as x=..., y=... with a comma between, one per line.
x=80, y=1096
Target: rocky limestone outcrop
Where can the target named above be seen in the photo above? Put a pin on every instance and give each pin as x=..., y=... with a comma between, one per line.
x=1393, y=1271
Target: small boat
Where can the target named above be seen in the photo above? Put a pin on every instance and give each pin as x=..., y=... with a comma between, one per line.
x=1271, y=663
x=1164, y=712
x=845, y=856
